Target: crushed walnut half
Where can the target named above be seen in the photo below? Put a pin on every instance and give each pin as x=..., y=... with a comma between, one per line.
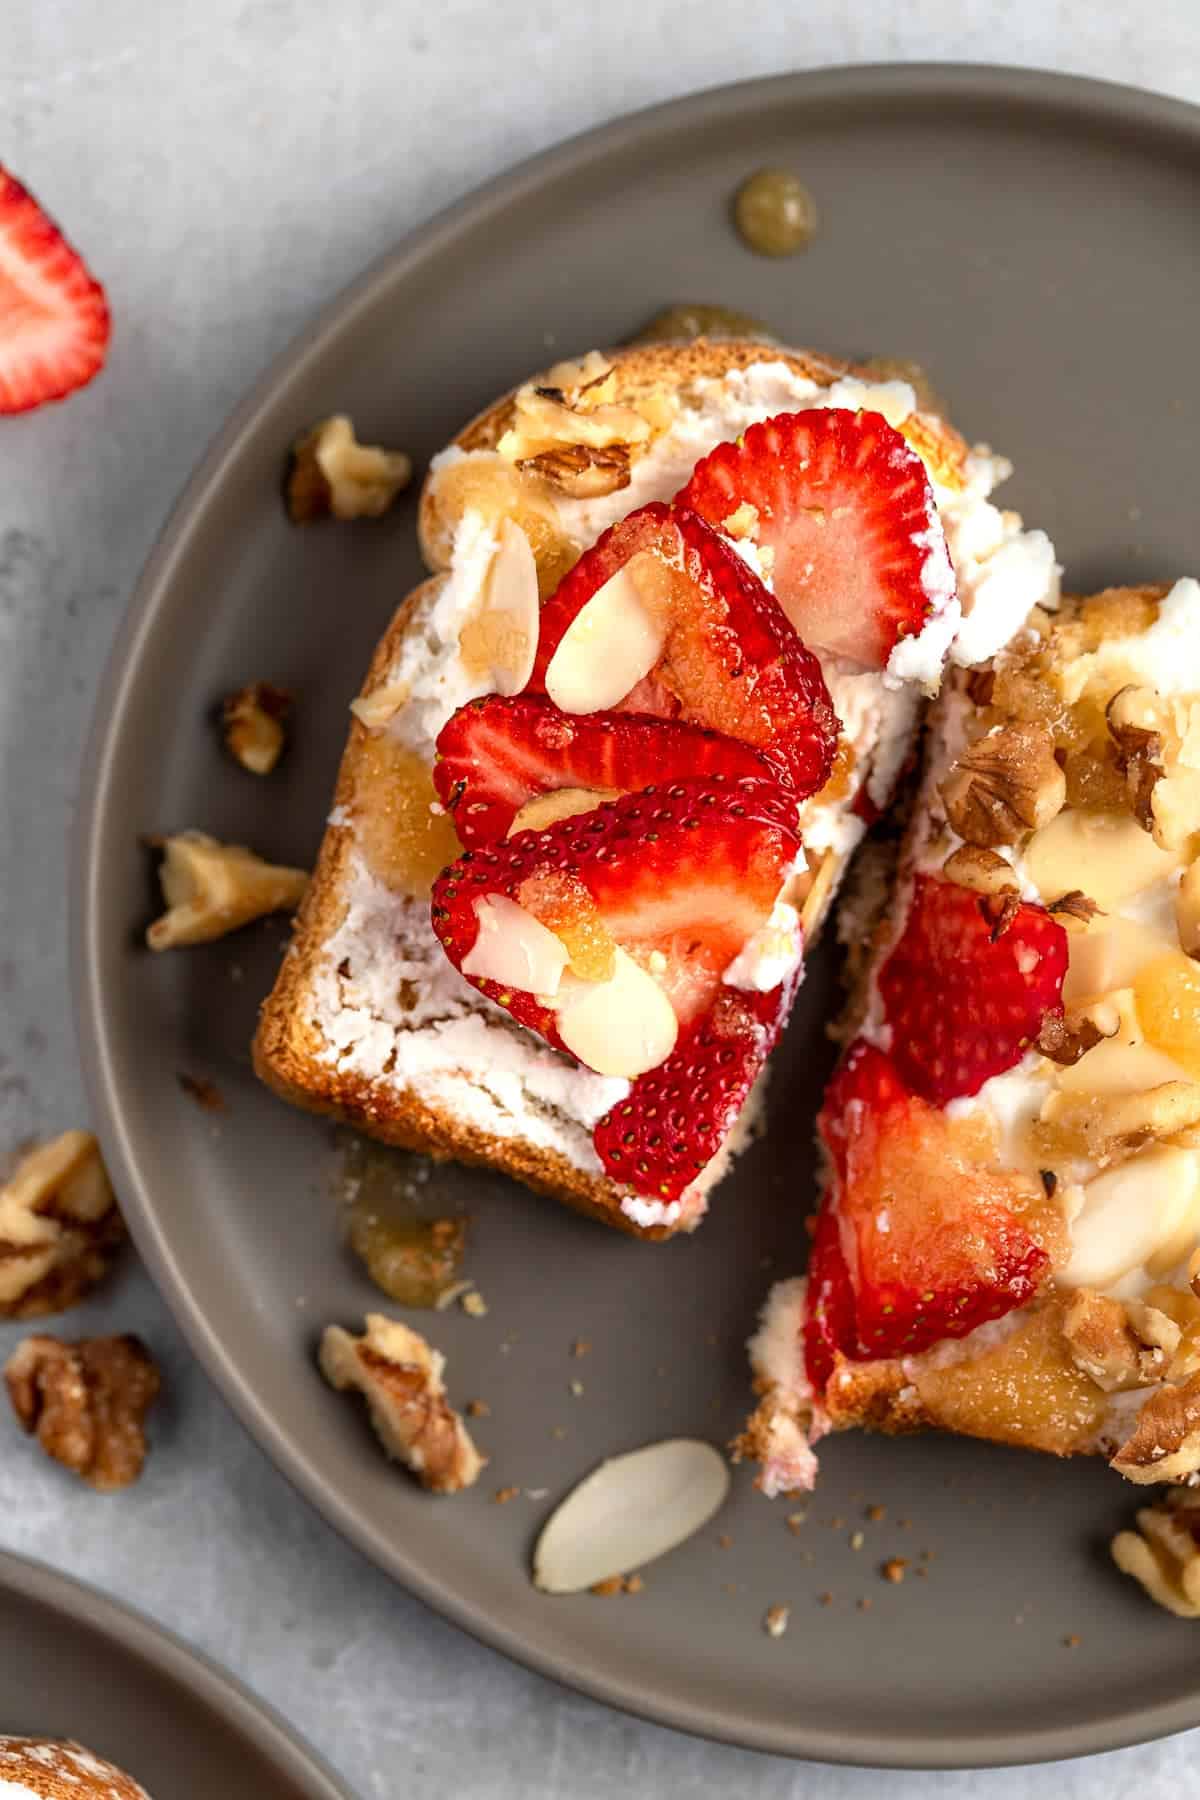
x=400, y=1377
x=1107, y=1128
x=1164, y=1552
x=1118, y=1346
x=330, y=472
x=60, y=1227
x=253, y=723
x=1004, y=785
x=86, y=1403
x=983, y=871
x=1137, y=748
x=212, y=888
x=1165, y=1442
x=571, y=433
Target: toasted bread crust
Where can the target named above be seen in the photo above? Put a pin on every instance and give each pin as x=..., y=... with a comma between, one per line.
x=289, y=1048
x=642, y=369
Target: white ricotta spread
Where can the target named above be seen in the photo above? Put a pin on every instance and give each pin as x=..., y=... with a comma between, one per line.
x=776, y=1348
x=1166, y=657
x=416, y=1022
x=430, y=664
x=769, y=955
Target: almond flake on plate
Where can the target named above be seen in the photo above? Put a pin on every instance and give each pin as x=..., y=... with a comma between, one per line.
x=628, y=1511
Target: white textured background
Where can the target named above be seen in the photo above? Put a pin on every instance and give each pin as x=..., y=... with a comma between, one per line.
x=228, y=167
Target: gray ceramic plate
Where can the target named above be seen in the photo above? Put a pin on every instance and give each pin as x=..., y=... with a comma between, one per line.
x=1032, y=240
x=73, y=1664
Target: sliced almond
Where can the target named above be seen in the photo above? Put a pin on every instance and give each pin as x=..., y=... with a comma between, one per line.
x=380, y=706
x=1119, y=1066
x=612, y=642
x=1187, y=911
x=627, y=1512
x=1128, y=1212
x=1110, y=954
x=622, y=1026
x=1110, y=857
x=560, y=803
x=499, y=640
x=514, y=948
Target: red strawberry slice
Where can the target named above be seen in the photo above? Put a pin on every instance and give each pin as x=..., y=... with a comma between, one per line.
x=677, y=1116
x=846, y=507
x=829, y=1325
x=678, y=878
x=966, y=996
x=54, y=322
x=930, y=1230
x=497, y=753
x=683, y=875
x=731, y=661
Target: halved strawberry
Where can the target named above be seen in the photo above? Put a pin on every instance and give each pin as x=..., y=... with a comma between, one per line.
x=847, y=509
x=497, y=753
x=965, y=996
x=677, y=1116
x=54, y=321
x=679, y=879
x=730, y=659
x=931, y=1232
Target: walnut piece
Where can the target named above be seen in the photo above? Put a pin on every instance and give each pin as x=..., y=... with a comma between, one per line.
x=1164, y=1552
x=984, y=871
x=1004, y=785
x=581, y=471
x=400, y=1377
x=60, y=1227
x=86, y=1402
x=330, y=472
x=1165, y=1442
x=1132, y=716
x=1064, y=1043
x=571, y=433
x=1106, y=1127
x=253, y=723
x=212, y=888
x=1118, y=1346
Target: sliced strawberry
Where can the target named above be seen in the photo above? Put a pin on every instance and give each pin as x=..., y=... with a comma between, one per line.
x=679, y=879
x=965, y=995
x=846, y=507
x=930, y=1229
x=54, y=322
x=497, y=753
x=683, y=875
x=829, y=1310
x=730, y=661
x=677, y=1116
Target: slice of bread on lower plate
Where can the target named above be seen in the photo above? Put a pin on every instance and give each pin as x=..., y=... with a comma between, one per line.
x=1052, y=1165
x=368, y=1021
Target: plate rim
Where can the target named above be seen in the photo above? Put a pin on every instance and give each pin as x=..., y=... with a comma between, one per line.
x=205, y=1679
x=1062, y=94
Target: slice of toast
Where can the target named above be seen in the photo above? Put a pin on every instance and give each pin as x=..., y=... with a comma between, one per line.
x=368, y=1021
x=1098, y=1122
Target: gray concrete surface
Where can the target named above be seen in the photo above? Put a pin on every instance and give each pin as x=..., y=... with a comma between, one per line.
x=228, y=168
